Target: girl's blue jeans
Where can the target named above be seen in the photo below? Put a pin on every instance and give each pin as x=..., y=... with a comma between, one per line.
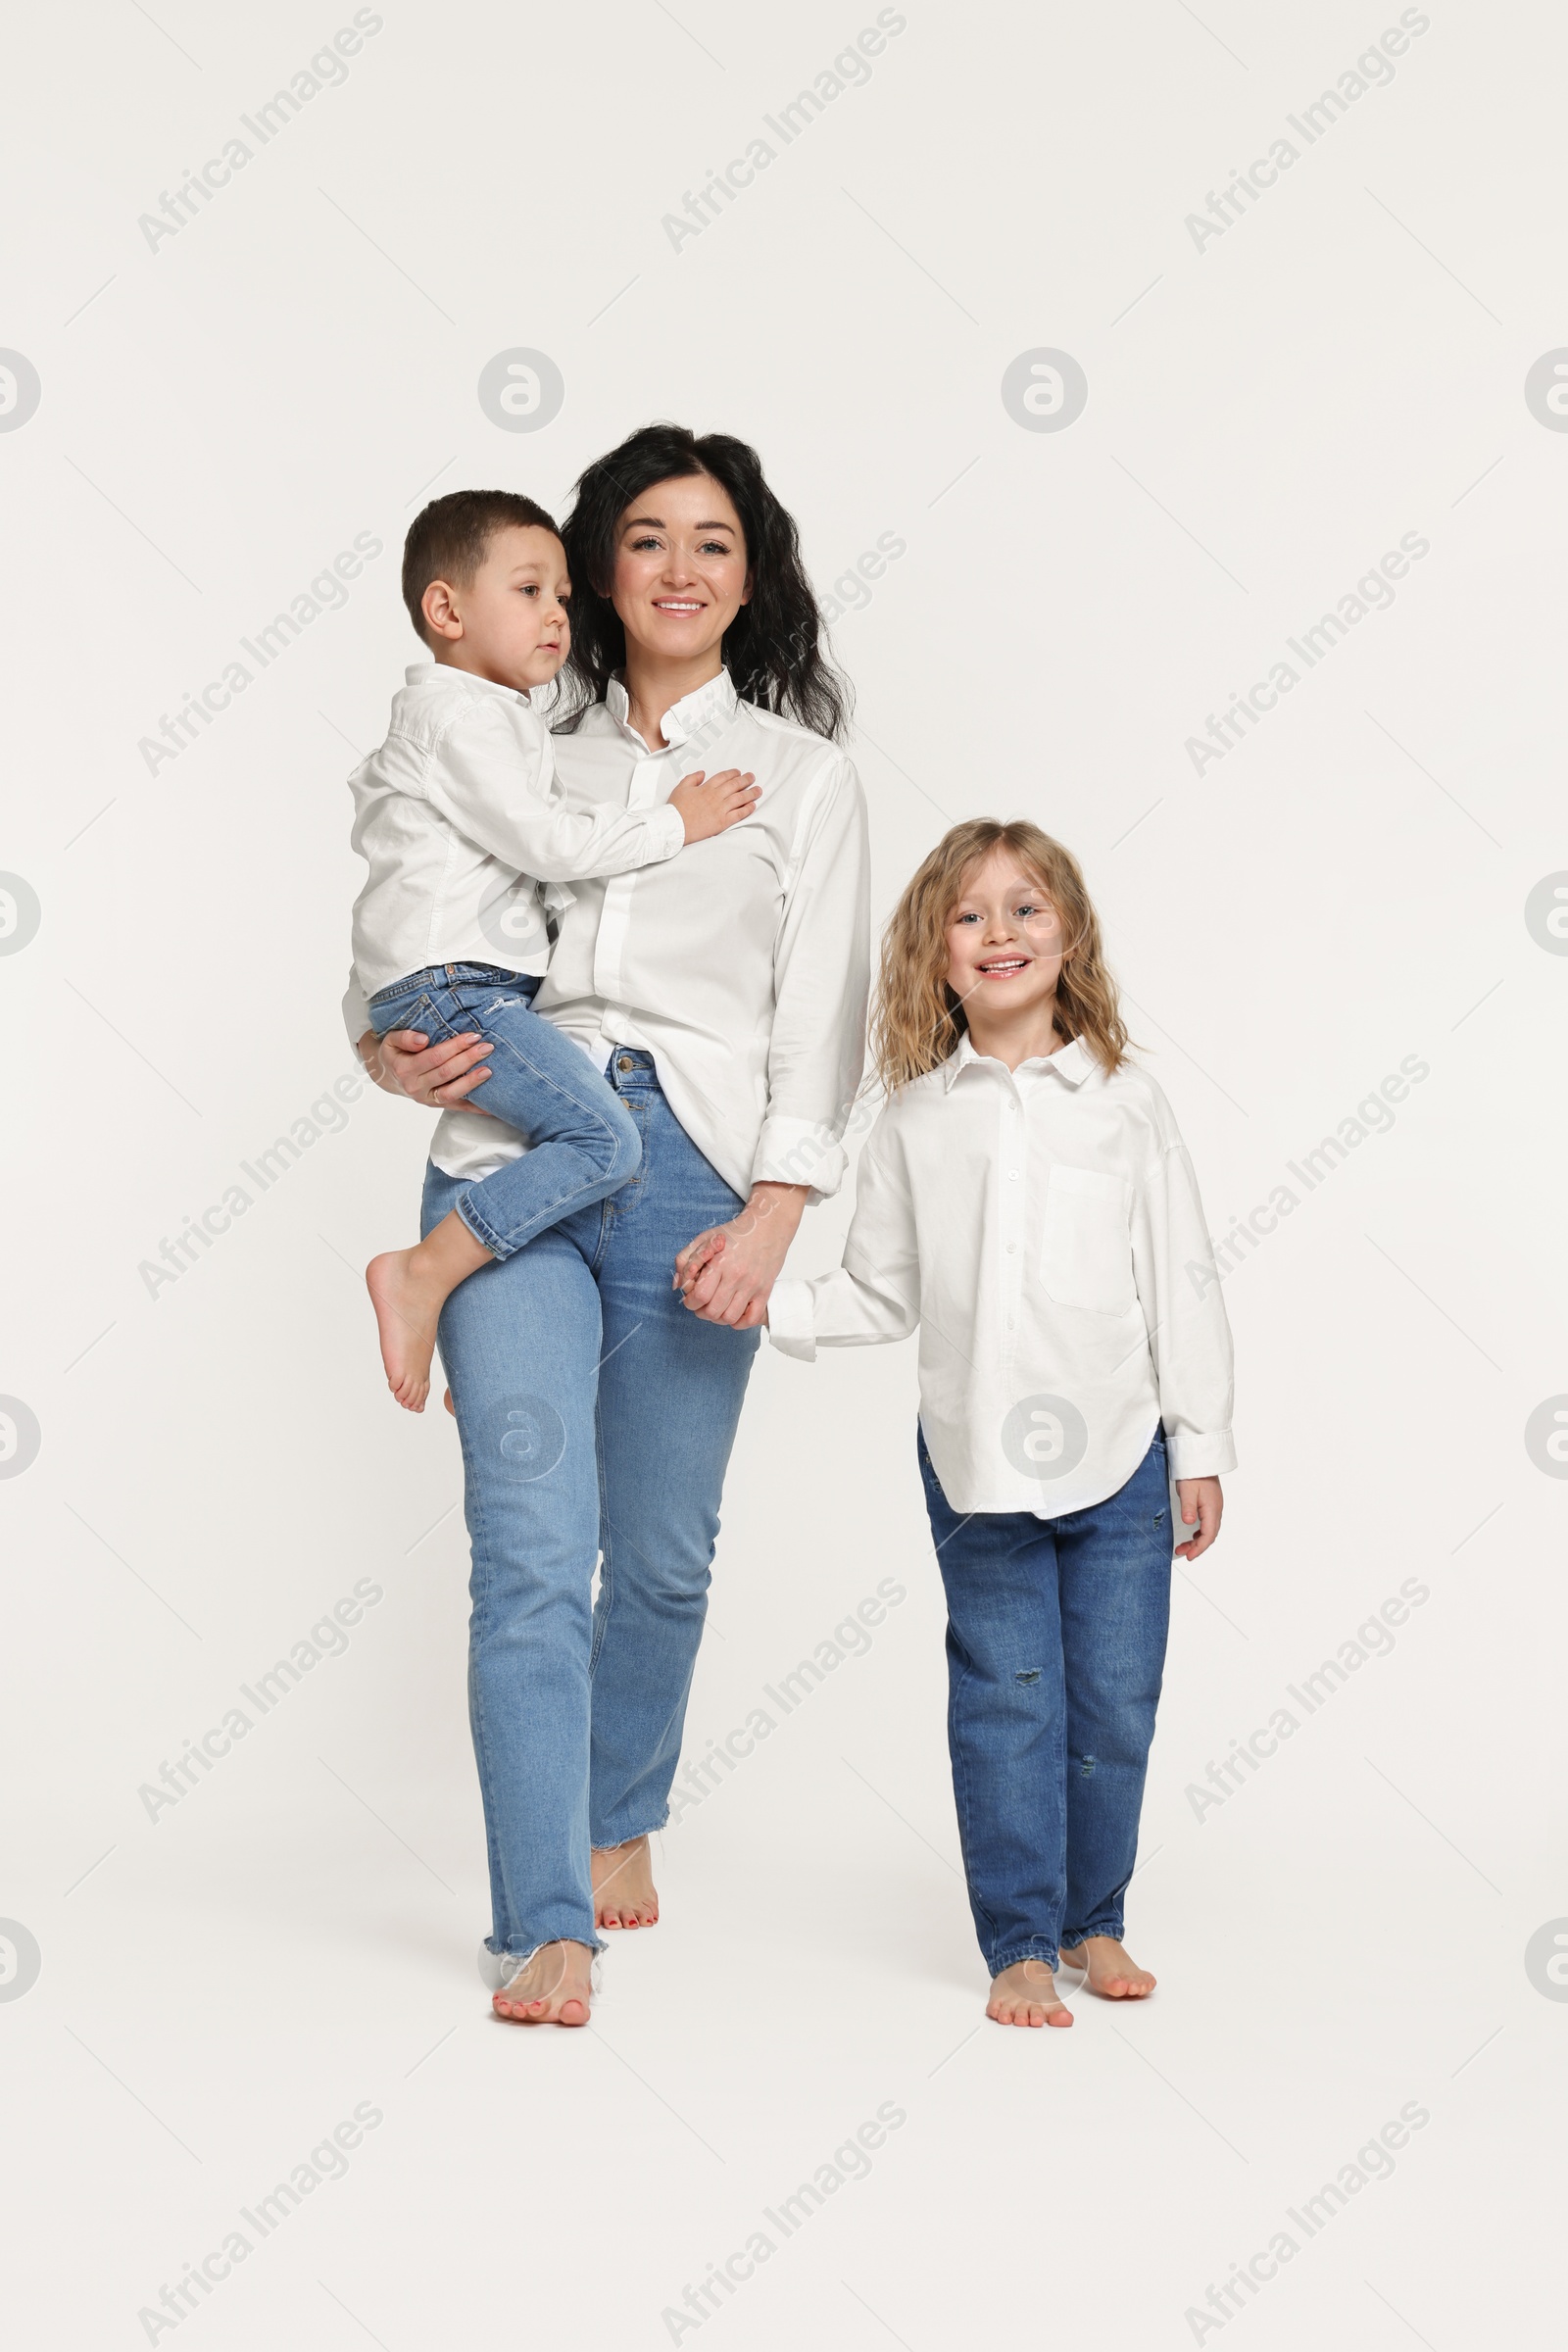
x=585, y=1143
x=597, y=1415
x=1055, y=1649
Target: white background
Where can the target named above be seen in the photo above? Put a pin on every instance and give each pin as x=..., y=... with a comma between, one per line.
x=218, y=1463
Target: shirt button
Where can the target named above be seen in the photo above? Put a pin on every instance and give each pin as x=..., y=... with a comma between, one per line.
x=1012, y=1175
x=1011, y=1246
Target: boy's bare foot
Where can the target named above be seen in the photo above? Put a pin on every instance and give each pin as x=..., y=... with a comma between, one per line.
x=1025, y=1994
x=1112, y=1972
x=408, y=1289
x=406, y=1317
x=625, y=1894
x=553, y=1988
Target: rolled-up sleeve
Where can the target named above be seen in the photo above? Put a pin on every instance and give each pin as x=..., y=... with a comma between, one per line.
x=1189, y=1331
x=821, y=978
x=500, y=791
x=356, y=1011
x=875, y=1295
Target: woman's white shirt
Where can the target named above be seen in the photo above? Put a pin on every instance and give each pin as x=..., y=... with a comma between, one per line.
x=740, y=964
x=1044, y=1230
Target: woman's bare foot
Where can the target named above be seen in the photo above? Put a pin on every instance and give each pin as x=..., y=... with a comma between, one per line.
x=1112, y=1972
x=1025, y=1994
x=408, y=1289
x=625, y=1894
x=552, y=1989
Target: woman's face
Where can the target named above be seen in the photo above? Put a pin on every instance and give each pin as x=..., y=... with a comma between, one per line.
x=680, y=572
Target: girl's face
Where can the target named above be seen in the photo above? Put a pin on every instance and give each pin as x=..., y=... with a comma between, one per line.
x=680, y=573
x=1005, y=939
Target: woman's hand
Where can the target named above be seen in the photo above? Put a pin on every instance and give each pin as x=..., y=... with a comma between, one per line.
x=726, y=1273
x=443, y=1076
x=1203, y=1504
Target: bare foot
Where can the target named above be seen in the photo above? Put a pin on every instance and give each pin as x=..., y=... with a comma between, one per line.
x=405, y=1316
x=1025, y=1994
x=1112, y=1970
x=625, y=1894
x=553, y=1988
x=408, y=1289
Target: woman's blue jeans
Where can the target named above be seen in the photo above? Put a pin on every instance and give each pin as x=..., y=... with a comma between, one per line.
x=597, y=1415
x=585, y=1143
x=1055, y=1650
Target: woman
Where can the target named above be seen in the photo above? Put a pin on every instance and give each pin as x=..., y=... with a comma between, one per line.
x=724, y=994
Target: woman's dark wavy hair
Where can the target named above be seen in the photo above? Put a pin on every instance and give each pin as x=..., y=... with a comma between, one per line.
x=774, y=647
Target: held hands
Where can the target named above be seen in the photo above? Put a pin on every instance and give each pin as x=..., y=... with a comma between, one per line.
x=714, y=806
x=726, y=1273
x=1203, y=1504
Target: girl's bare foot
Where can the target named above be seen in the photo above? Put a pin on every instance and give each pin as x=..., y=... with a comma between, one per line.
x=625, y=1894
x=552, y=1989
x=1112, y=1972
x=408, y=1289
x=1025, y=1994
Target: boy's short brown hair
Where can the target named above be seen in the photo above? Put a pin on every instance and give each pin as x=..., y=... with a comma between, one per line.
x=449, y=539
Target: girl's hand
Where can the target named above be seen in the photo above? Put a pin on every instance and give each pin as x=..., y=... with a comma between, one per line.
x=443, y=1076
x=726, y=1274
x=1203, y=1504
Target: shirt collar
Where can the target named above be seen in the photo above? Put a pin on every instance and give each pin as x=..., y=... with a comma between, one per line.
x=1070, y=1062
x=425, y=674
x=716, y=701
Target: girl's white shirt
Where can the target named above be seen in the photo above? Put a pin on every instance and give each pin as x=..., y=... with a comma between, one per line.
x=1043, y=1228
x=741, y=964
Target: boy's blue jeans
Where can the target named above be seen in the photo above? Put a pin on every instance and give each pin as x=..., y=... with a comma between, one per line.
x=1055, y=1649
x=584, y=1142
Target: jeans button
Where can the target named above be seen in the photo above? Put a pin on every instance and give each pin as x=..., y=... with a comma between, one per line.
x=625, y=1064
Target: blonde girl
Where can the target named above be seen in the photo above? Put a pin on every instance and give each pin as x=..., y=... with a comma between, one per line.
x=1025, y=1199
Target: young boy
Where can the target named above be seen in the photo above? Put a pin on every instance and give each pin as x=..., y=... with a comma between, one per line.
x=460, y=822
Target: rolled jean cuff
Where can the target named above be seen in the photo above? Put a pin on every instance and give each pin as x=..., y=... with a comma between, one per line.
x=499, y=1245
x=1114, y=1926
x=1036, y=1949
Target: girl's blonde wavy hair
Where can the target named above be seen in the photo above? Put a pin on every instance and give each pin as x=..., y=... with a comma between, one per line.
x=919, y=1018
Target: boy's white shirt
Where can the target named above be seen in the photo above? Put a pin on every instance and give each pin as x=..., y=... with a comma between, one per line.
x=460, y=820
x=1044, y=1230
x=742, y=966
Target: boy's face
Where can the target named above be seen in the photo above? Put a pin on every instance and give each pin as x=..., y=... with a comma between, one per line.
x=1005, y=939
x=508, y=623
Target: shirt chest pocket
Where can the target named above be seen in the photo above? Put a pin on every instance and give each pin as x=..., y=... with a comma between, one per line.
x=1085, y=1252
